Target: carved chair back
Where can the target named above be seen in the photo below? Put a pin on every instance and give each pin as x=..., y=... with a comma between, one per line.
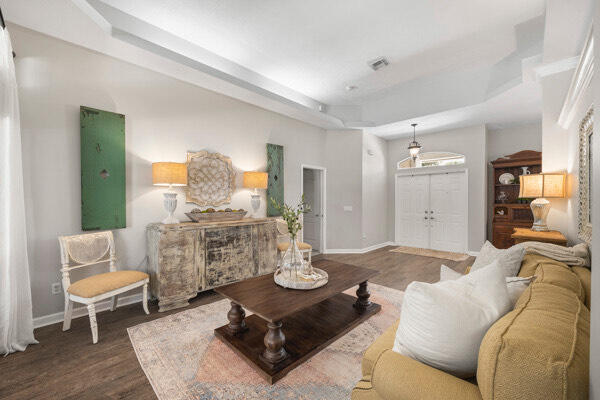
x=78, y=251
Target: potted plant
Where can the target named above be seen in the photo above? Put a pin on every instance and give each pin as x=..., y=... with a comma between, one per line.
x=292, y=262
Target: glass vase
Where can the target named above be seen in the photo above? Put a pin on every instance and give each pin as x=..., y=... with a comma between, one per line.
x=292, y=264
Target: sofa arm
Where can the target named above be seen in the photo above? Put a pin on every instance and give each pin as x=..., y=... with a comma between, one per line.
x=397, y=377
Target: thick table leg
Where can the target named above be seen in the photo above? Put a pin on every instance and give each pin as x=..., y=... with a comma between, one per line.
x=236, y=317
x=274, y=341
x=362, y=303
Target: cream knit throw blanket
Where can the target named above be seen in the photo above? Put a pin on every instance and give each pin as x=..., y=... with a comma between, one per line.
x=577, y=255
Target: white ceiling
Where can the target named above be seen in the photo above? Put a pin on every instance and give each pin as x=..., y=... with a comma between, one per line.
x=498, y=112
x=452, y=63
x=318, y=47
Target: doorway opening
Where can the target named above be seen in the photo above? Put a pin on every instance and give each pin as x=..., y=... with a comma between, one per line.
x=314, y=222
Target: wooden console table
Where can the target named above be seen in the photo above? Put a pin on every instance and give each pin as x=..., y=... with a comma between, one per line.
x=521, y=235
x=186, y=258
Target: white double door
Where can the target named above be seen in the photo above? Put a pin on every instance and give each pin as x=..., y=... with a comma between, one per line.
x=431, y=211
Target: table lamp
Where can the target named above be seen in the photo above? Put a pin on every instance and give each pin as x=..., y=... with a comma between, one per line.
x=169, y=174
x=541, y=186
x=255, y=180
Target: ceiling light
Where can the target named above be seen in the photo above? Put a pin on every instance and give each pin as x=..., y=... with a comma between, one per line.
x=378, y=63
x=414, y=147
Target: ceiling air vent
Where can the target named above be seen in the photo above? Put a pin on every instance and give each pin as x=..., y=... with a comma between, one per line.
x=378, y=63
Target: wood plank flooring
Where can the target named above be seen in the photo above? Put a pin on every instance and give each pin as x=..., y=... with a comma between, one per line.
x=65, y=365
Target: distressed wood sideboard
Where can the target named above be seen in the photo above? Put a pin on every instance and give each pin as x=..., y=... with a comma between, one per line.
x=189, y=257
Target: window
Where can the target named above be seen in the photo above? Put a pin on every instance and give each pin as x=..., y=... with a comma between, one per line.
x=432, y=159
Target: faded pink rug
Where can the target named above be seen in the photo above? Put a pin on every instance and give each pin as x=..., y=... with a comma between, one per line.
x=183, y=360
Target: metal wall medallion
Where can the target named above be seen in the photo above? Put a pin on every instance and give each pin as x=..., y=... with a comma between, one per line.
x=211, y=179
x=586, y=130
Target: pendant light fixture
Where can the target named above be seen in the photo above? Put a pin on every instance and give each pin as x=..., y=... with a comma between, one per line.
x=414, y=147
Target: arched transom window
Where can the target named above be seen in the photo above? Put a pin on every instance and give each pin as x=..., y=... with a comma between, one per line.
x=432, y=159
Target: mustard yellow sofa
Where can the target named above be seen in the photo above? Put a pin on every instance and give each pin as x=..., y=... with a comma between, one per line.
x=540, y=350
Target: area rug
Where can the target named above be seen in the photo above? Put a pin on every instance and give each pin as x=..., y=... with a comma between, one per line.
x=447, y=255
x=183, y=360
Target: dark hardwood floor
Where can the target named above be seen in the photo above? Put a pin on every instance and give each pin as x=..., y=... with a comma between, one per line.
x=66, y=365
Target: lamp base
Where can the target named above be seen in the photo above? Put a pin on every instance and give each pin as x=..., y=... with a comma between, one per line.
x=540, y=208
x=255, y=203
x=170, y=203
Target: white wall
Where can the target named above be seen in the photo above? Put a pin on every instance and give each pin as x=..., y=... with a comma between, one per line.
x=343, y=151
x=471, y=142
x=375, y=191
x=560, y=150
x=505, y=141
x=164, y=118
x=502, y=142
x=557, y=149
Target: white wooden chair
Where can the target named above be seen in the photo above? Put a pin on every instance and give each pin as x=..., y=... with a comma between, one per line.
x=80, y=251
x=283, y=241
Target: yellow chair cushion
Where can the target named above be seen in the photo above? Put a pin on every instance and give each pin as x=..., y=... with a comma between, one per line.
x=103, y=283
x=301, y=246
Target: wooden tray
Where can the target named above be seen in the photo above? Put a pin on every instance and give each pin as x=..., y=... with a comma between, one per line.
x=216, y=216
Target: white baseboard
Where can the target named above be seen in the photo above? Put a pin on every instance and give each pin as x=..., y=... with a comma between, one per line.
x=50, y=319
x=358, y=251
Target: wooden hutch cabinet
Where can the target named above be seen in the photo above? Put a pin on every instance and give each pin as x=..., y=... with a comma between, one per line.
x=508, y=211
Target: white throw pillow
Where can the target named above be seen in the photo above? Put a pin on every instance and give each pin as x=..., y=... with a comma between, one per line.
x=442, y=324
x=508, y=259
x=515, y=285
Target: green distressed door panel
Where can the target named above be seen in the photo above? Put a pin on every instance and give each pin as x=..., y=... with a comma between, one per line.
x=275, y=171
x=102, y=169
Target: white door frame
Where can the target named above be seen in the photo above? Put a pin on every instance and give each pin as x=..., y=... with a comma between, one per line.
x=434, y=171
x=323, y=224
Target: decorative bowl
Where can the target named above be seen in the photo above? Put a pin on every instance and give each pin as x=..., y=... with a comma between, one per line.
x=301, y=283
x=216, y=216
x=506, y=178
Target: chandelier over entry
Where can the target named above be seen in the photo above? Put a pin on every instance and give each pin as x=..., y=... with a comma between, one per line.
x=414, y=147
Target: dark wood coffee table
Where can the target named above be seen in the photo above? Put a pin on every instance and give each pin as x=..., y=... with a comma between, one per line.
x=290, y=326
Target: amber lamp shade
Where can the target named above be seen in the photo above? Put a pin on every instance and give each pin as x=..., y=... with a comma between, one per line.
x=169, y=174
x=542, y=185
x=255, y=180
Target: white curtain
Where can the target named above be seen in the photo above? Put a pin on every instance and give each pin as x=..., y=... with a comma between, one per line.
x=16, y=321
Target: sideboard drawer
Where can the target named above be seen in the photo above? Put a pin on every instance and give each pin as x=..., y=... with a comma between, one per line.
x=229, y=255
